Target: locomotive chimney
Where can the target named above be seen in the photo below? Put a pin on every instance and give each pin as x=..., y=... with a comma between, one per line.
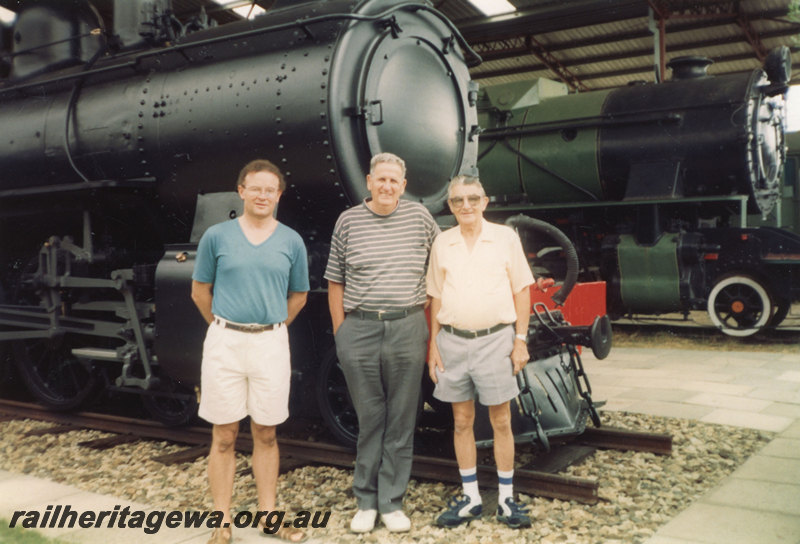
x=778, y=66
x=689, y=67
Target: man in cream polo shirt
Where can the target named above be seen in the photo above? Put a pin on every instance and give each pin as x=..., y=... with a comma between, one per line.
x=479, y=280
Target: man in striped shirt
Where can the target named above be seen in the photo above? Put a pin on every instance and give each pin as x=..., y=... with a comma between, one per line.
x=376, y=294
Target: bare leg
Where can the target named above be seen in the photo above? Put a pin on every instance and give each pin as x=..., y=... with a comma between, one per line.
x=500, y=417
x=266, y=461
x=222, y=467
x=266, y=464
x=464, y=435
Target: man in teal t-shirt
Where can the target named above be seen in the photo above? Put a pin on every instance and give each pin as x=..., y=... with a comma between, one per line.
x=250, y=281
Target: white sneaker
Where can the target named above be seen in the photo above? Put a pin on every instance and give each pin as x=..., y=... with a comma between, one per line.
x=396, y=522
x=363, y=521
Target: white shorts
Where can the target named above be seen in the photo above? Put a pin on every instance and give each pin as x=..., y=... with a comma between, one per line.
x=245, y=373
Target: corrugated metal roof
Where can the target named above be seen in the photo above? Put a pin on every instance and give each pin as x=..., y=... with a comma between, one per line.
x=598, y=44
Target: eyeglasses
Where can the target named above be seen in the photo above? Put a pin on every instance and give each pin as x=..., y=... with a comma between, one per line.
x=458, y=201
x=268, y=191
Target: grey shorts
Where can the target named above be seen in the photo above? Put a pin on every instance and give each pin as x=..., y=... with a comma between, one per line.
x=481, y=365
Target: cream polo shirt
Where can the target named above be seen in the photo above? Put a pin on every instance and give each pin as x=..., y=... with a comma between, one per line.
x=476, y=288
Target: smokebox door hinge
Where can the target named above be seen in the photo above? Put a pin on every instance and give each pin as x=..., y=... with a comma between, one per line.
x=372, y=112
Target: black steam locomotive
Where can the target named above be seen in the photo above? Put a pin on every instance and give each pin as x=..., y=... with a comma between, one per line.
x=120, y=146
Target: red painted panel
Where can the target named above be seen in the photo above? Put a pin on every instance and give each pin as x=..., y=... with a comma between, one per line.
x=585, y=302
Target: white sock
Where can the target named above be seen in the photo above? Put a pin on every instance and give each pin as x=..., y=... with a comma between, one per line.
x=505, y=488
x=469, y=480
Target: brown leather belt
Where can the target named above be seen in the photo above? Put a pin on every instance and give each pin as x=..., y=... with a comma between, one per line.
x=474, y=334
x=245, y=328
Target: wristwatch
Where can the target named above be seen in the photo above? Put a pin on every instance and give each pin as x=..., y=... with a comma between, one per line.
x=522, y=337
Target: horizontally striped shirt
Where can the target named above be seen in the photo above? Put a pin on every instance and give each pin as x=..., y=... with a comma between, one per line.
x=382, y=259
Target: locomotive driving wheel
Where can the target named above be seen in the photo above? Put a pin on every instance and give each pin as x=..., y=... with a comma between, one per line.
x=58, y=379
x=739, y=305
x=333, y=399
x=49, y=370
x=782, y=307
x=175, y=406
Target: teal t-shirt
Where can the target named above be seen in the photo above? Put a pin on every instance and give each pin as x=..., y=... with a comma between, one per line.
x=251, y=282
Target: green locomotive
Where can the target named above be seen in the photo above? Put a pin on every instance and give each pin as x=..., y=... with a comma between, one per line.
x=653, y=184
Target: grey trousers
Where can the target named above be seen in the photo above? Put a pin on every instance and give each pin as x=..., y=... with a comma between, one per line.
x=382, y=363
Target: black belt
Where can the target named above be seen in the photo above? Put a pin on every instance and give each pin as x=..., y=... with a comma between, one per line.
x=245, y=328
x=474, y=334
x=386, y=315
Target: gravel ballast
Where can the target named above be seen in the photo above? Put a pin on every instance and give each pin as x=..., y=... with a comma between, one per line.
x=639, y=492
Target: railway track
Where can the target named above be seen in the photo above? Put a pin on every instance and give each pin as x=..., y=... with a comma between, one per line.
x=697, y=328
x=198, y=438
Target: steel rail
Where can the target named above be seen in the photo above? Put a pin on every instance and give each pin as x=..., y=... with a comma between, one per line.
x=444, y=470
x=624, y=439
